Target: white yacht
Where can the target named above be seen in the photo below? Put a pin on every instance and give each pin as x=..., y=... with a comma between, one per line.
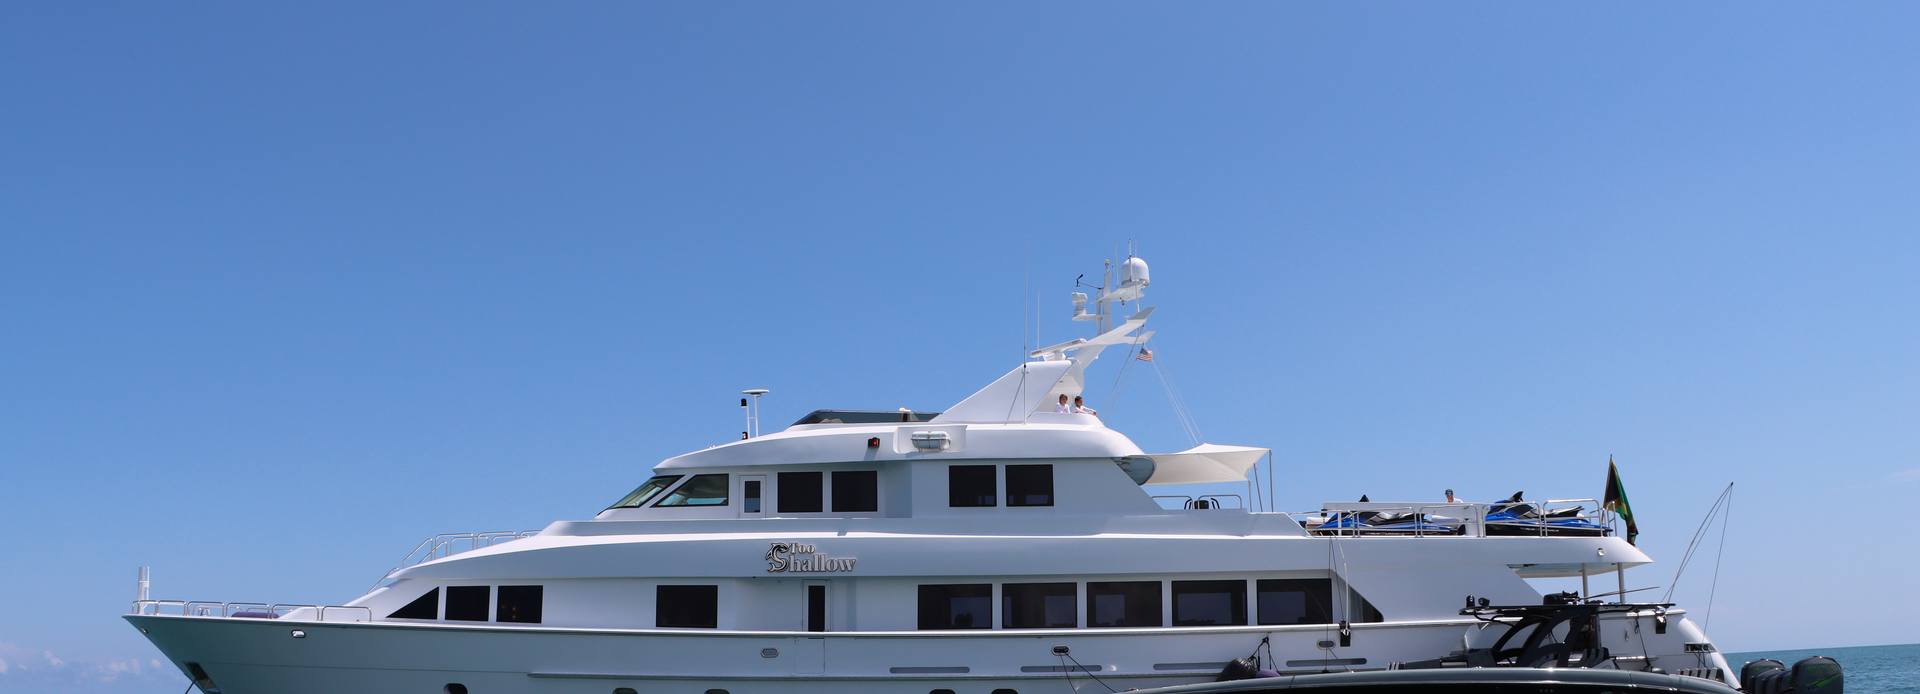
x=1005, y=545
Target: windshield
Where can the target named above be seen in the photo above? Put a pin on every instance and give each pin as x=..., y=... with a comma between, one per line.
x=702, y=490
x=647, y=491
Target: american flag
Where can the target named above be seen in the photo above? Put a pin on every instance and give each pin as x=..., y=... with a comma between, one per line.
x=1144, y=355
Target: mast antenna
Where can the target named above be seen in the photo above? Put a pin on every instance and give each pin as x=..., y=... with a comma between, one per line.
x=752, y=409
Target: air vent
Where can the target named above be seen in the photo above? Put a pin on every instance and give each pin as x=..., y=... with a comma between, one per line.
x=931, y=440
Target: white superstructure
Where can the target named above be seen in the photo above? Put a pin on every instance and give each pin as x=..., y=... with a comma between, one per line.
x=998, y=546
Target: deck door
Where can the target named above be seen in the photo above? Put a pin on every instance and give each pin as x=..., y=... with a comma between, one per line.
x=811, y=655
x=753, y=496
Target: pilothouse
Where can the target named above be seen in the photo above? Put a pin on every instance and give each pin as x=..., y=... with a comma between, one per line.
x=995, y=546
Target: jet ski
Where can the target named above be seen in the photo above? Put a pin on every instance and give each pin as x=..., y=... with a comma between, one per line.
x=1517, y=517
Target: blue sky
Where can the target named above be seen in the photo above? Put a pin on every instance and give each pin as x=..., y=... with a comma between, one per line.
x=287, y=287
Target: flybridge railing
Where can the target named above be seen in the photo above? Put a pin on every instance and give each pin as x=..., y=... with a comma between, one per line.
x=1525, y=518
x=251, y=610
x=448, y=544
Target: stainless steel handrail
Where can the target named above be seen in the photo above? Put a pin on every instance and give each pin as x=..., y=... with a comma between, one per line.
x=446, y=545
x=212, y=609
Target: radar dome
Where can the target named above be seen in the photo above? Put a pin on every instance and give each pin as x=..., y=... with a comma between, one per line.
x=1133, y=273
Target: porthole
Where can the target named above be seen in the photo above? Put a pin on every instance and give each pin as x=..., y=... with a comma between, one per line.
x=717, y=691
x=941, y=691
x=624, y=690
x=1005, y=691
x=456, y=688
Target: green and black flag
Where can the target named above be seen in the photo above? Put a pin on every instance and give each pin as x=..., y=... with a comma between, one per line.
x=1616, y=500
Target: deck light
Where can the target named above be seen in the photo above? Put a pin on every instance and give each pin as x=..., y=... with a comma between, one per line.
x=873, y=442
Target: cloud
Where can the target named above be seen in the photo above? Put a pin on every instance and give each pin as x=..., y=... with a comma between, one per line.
x=26, y=669
x=1908, y=475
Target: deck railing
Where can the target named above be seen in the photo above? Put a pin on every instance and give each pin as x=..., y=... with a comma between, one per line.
x=446, y=545
x=1458, y=519
x=250, y=610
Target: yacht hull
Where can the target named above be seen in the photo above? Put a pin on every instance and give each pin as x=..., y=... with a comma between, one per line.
x=249, y=656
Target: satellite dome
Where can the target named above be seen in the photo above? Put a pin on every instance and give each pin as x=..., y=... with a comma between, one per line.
x=1133, y=272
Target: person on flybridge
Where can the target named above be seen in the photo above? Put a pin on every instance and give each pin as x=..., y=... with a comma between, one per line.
x=1080, y=406
x=1063, y=407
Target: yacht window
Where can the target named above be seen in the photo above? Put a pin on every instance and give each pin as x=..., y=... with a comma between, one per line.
x=800, y=492
x=1360, y=610
x=423, y=607
x=856, y=491
x=646, y=492
x=751, y=490
x=702, y=490
x=1123, y=604
x=970, y=486
x=816, y=607
x=1295, y=601
x=1029, y=485
x=467, y=603
x=686, y=607
x=518, y=604
x=1209, y=603
x=1037, y=606
x=964, y=606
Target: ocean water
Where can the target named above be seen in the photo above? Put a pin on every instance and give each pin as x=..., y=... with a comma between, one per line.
x=1868, y=669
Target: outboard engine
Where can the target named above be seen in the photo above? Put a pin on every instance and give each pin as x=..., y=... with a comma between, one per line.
x=1761, y=676
x=1815, y=675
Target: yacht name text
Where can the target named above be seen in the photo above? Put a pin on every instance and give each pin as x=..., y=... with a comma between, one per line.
x=797, y=557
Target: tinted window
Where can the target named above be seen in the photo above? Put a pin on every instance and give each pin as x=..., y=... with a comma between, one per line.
x=702, y=490
x=856, y=491
x=1123, y=604
x=423, y=607
x=863, y=417
x=970, y=485
x=1361, y=610
x=686, y=607
x=816, y=608
x=800, y=492
x=646, y=491
x=1037, y=606
x=968, y=606
x=1295, y=601
x=751, y=490
x=1029, y=485
x=1209, y=603
x=467, y=603
x=519, y=604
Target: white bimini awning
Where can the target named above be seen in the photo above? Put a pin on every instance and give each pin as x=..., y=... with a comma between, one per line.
x=1207, y=462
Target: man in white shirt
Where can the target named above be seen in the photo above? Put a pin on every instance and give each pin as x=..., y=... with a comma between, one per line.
x=1063, y=407
x=1080, y=406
